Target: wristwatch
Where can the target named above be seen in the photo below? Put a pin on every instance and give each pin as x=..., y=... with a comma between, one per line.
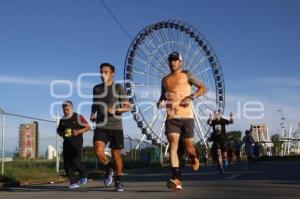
x=192, y=96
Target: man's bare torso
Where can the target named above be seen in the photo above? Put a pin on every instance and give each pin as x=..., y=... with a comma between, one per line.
x=177, y=88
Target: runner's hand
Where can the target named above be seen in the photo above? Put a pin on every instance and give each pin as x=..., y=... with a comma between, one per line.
x=185, y=102
x=93, y=118
x=161, y=104
x=111, y=110
x=75, y=132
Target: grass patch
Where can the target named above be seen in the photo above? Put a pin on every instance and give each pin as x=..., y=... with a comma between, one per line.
x=40, y=171
x=22, y=171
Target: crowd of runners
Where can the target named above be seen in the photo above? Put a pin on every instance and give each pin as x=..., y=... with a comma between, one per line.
x=110, y=101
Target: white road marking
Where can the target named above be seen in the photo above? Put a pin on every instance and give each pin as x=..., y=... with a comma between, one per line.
x=231, y=177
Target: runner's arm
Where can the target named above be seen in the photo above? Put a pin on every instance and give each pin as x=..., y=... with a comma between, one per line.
x=125, y=107
x=123, y=98
x=209, y=122
x=162, y=94
x=230, y=121
x=201, y=89
x=252, y=140
x=85, y=127
x=60, y=130
x=94, y=108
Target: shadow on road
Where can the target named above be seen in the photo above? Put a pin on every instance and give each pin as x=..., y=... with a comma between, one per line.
x=279, y=174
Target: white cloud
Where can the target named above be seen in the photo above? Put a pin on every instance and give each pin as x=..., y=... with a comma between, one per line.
x=21, y=80
x=45, y=81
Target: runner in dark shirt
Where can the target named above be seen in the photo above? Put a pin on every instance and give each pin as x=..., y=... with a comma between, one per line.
x=256, y=152
x=71, y=127
x=219, y=138
x=248, y=140
x=109, y=103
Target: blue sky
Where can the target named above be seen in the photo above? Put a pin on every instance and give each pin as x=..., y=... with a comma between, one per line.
x=257, y=43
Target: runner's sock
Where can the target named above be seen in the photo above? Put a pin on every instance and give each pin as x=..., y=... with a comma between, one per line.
x=176, y=173
x=118, y=178
x=108, y=167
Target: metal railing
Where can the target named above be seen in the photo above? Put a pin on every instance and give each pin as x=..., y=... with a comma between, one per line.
x=11, y=125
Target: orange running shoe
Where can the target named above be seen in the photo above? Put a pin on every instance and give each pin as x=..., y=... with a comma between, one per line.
x=195, y=164
x=174, y=184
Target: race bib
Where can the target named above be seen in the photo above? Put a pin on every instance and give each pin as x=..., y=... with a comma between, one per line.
x=218, y=128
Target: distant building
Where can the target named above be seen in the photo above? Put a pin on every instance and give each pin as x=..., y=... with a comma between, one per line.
x=259, y=132
x=51, y=152
x=28, y=140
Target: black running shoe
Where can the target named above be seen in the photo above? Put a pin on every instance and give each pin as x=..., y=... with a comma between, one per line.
x=119, y=186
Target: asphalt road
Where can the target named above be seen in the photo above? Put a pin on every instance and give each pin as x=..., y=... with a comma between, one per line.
x=266, y=180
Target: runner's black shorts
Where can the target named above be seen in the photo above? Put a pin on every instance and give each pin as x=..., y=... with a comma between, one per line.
x=182, y=126
x=220, y=145
x=115, y=137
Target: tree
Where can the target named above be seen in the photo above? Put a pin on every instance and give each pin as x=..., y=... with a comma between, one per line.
x=234, y=136
x=276, y=140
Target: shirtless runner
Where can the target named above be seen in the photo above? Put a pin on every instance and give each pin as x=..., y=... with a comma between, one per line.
x=176, y=96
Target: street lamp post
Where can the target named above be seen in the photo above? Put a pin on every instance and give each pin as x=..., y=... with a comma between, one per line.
x=3, y=133
x=57, y=145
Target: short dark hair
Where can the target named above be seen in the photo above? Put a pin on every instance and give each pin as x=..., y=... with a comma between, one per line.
x=112, y=68
x=67, y=103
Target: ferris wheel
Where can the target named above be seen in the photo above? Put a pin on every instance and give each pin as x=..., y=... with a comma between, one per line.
x=146, y=64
